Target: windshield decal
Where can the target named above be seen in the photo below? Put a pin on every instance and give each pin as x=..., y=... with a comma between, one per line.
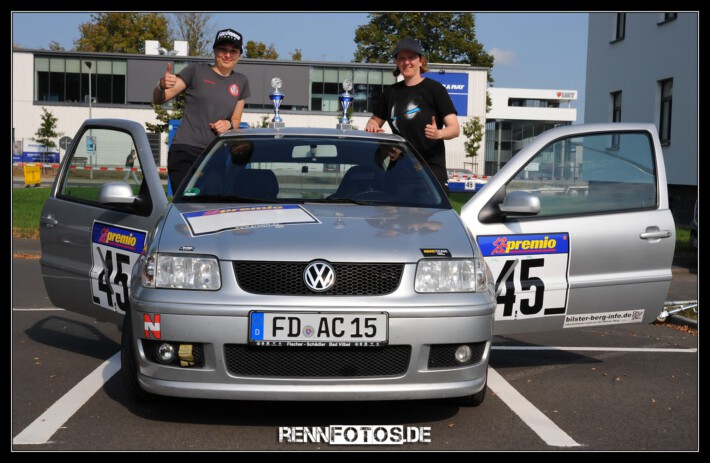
x=214, y=220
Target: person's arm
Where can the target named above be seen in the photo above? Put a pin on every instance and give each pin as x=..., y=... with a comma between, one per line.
x=168, y=87
x=374, y=125
x=237, y=114
x=222, y=126
x=450, y=130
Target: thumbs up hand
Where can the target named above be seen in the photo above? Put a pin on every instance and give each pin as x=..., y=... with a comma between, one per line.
x=169, y=79
x=431, y=131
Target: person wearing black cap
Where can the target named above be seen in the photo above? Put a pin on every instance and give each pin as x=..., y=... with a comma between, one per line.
x=417, y=108
x=214, y=102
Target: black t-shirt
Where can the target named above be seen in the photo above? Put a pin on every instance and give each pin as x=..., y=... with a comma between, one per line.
x=130, y=160
x=409, y=109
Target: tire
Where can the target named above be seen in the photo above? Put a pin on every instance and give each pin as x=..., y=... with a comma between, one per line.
x=473, y=400
x=129, y=370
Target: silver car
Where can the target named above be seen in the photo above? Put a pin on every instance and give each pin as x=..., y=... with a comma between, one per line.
x=328, y=264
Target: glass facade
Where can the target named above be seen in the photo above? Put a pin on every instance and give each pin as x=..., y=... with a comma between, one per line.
x=67, y=80
x=505, y=138
x=368, y=85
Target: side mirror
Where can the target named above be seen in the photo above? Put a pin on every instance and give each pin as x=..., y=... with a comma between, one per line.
x=116, y=193
x=520, y=203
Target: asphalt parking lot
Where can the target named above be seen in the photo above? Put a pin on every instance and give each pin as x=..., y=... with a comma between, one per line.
x=626, y=388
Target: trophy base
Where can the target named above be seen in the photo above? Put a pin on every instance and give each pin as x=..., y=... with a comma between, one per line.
x=277, y=125
x=344, y=126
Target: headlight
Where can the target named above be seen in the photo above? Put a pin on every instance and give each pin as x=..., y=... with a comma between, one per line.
x=179, y=271
x=450, y=276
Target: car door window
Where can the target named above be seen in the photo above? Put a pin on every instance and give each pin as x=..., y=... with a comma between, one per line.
x=592, y=173
x=102, y=155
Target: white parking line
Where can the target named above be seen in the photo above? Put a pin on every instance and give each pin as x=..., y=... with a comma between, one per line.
x=600, y=349
x=531, y=416
x=534, y=418
x=37, y=309
x=43, y=428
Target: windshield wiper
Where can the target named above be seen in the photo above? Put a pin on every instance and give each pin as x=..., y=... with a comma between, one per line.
x=362, y=202
x=224, y=199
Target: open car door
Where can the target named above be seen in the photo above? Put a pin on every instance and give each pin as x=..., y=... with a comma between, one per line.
x=97, y=217
x=576, y=229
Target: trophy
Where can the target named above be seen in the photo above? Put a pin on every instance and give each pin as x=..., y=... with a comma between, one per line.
x=346, y=98
x=276, y=96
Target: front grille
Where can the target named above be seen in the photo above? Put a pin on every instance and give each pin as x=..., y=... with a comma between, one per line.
x=312, y=362
x=442, y=355
x=286, y=278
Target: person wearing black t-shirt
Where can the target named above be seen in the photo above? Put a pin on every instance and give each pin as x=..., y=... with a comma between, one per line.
x=417, y=108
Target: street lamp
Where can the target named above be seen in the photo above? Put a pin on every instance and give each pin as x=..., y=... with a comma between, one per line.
x=88, y=65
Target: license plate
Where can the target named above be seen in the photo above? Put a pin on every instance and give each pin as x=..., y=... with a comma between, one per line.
x=317, y=329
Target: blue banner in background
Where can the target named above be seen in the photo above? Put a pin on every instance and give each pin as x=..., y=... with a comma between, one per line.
x=456, y=84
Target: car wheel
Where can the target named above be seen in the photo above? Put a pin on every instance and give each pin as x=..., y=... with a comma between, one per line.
x=473, y=400
x=129, y=370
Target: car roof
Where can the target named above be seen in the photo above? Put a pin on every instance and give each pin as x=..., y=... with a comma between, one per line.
x=312, y=132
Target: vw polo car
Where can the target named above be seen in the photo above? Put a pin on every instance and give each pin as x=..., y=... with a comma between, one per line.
x=328, y=264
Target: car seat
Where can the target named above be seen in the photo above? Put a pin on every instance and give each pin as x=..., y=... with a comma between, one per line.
x=359, y=179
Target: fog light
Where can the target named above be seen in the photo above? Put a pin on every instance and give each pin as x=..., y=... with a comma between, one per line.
x=463, y=354
x=166, y=352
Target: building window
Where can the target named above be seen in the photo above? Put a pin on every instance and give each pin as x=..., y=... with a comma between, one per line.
x=533, y=103
x=615, y=116
x=368, y=85
x=616, y=106
x=67, y=80
x=664, y=128
x=668, y=17
x=620, y=31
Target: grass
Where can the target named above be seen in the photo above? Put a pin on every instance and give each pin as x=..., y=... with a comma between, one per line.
x=27, y=206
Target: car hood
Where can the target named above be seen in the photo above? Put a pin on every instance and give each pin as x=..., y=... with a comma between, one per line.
x=300, y=233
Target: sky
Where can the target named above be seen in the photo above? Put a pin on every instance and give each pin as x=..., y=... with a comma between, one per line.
x=532, y=50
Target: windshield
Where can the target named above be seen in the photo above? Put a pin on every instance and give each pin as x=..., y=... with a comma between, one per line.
x=301, y=169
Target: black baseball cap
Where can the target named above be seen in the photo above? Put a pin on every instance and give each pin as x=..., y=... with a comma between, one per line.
x=228, y=36
x=408, y=44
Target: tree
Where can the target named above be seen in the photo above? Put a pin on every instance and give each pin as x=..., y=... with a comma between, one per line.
x=122, y=32
x=262, y=124
x=196, y=30
x=47, y=131
x=260, y=51
x=296, y=55
x=445, y=38
x=55, y=46
x=165, y=115
x=473, y=130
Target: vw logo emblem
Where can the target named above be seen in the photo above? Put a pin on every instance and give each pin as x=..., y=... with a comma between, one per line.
x=319, y=276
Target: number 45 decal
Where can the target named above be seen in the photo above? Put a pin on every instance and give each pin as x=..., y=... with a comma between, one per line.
x=115, y=250
x=529, y=287
x=530, y=273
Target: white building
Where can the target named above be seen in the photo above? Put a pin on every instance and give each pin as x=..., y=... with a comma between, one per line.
x=643, y=67
x=517, y=115
x=122, y=85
